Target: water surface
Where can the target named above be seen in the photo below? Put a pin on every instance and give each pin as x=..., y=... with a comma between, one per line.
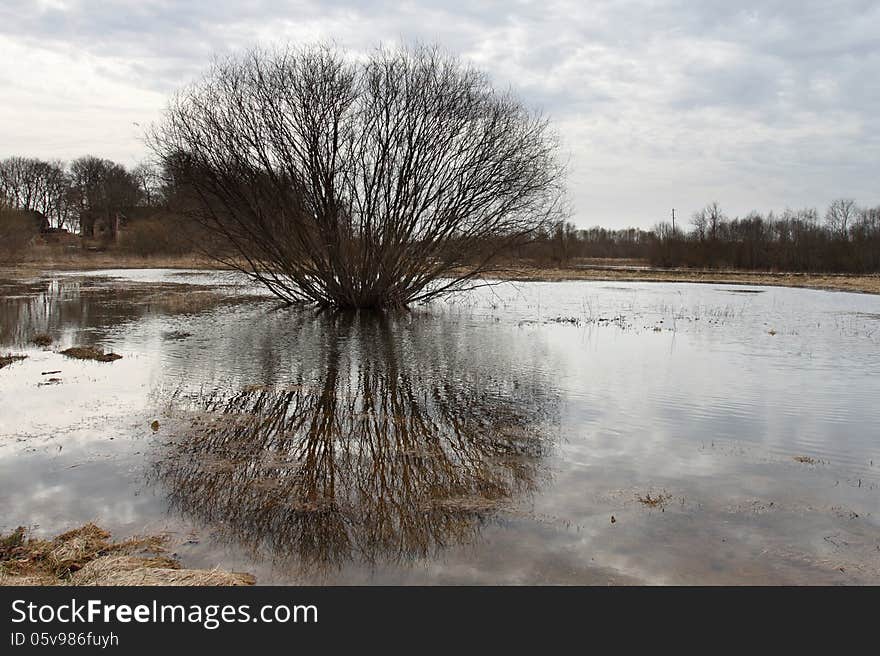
x=730, y=432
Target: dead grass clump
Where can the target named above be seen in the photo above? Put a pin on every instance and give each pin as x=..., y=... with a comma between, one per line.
x=6, y=360
x=42, y=339
x=126, y=570
x=90, y=353
x=572, y=320
x=657, y=501
x=175, y=335
x=57, y=558
x=9, y=543
x=86, y=556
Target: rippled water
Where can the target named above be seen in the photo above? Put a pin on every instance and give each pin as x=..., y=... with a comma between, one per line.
x=730, y=432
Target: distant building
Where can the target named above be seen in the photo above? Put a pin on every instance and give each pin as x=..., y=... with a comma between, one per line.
x=102, y=226
x=109, y=226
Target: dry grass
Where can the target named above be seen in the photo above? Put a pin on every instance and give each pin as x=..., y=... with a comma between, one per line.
x=43, y=258
x=869, y=284
x=90, y=353
x=603, y=269
x=6, y=360
x=86, y=556
x=657, y=501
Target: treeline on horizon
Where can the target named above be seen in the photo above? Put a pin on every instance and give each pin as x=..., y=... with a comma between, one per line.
x=89, y=195
x=845, y=239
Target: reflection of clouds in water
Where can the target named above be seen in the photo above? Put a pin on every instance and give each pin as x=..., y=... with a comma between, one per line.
x=88, y=308
x=391, y=445
x=57, y=492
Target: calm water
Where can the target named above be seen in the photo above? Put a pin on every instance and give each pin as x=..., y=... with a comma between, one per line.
x=733, y=433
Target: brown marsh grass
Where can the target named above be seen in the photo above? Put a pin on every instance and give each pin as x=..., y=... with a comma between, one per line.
x=90, y=353
x=6, y=360
x=87, y=556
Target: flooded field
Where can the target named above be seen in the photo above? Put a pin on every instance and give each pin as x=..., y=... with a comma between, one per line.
x=563, y=432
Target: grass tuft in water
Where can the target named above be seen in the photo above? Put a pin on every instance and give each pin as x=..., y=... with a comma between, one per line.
x=42, y=339
x=657, y=501
x=90, y=353
x=6, y=360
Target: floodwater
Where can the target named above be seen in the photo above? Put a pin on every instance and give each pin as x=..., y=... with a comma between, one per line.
x=576, y=432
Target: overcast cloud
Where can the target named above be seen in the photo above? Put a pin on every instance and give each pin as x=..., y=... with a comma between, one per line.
x=759, y=105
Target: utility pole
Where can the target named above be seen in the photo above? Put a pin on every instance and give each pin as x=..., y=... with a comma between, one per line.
x=673, y=220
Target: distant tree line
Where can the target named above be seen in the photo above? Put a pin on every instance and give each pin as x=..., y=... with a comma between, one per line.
x=846, y=238
x=103, y=202
x=74, y=196
x=87, y=195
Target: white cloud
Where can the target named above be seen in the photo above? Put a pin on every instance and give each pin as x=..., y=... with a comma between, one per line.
x=660, y=104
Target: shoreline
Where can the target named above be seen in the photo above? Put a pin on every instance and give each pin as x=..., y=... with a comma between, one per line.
x=839, y=282
x=604, y=272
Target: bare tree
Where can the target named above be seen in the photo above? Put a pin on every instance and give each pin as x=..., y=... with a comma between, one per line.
x=700, y=222
x=714, y=218
x=20, y=182
x=34, y=185
x=102, y=188
x=359, y=183
x=869, y=219
x=707, y=221
x=840, y=215
x=149, y=183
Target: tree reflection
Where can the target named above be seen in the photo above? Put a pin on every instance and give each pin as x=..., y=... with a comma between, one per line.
x=88, y=307
x=387, y=450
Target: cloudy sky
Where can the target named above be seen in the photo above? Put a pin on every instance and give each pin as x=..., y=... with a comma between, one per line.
x=660, y=104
